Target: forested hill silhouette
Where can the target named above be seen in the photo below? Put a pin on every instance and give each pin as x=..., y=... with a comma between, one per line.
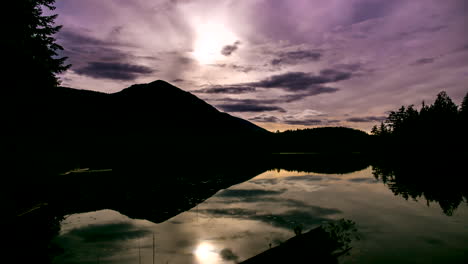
x=158, y=105
x=435, y=131
x=322, y=140
x=142, y=118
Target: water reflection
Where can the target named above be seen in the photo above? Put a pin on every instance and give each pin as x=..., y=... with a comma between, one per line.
x=205, y=253
x=233, y=225
x=251, y=217
x=193, y=221
x=439, y=183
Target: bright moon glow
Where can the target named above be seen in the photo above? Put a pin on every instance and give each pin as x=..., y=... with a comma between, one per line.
x=210, y=40
x=205, y=253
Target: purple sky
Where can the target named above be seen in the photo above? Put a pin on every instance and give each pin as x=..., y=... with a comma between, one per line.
x=280, y=64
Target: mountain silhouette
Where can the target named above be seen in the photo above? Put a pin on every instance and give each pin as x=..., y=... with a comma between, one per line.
x=139, y=120
x=157, y=106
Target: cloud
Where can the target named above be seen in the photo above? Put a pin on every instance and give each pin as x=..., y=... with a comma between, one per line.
x=229, y=49
x=423, y=61
x=295, y=57
x=236, y=67
x=304, y=122
x=81, y=48
x=226, y=89
x=297, y=81
x=367, y=9
x=366, y=119
x=115, y=71
x=422, y=30
x=303, y=84
x=249, y=108
x=294, y=120
x=265, y=118
x=78, y=38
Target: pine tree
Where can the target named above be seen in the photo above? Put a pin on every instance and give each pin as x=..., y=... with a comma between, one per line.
x=31, y=49
x=464, y=108
x=444, y=105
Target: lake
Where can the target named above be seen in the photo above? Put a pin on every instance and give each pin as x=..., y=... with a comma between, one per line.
x=397, y=222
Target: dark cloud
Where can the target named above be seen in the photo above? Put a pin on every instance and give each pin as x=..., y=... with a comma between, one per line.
x=297, y=81
x=303, y=84
x=116, y=71
x=100, y=58
x=229, y=49
x=285, y=81
x=81, y=48
x=248, y=192
x=235, y=67
x=226, y=89
x=248, y=101
x=304, y=122
x=228, y=254
x=366, y=119
x=78, y=38
x=108, y=232
x=313, y=90
x=421, y=30
x=185, y=60
x=333, y=121
x=352, y=67
x=241, y=68
x=249, y=108
x=293, y=121
x=295, y=57
x=423, y=61
x=269, y=119
x=368, y=9
x=177, y=80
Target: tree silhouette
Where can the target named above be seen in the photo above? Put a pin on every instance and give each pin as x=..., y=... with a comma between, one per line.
x=464, y=109
x=31, y=49
x=436, y=128
x=444, y=105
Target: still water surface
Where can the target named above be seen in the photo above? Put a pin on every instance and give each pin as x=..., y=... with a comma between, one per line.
x=249, y=218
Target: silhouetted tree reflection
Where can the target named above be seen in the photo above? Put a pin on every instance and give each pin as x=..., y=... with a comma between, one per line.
x=422, y=152
x=444, y=184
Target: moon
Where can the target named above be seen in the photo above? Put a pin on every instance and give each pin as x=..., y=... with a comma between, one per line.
x=210, y=39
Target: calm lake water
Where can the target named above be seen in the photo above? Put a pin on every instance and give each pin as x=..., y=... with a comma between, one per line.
x=246, y=219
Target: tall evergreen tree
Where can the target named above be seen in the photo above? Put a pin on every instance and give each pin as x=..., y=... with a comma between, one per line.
x=443, y=105
x=464, y=108
x=31, y=50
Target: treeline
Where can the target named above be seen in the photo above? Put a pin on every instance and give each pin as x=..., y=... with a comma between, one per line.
x=321, y=140
x=436, y=129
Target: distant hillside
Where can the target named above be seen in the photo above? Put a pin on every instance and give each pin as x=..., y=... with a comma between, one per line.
x=140, y=121
x=174, y=106
x=156, y=107
x=323, y=140
x=151, y=119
